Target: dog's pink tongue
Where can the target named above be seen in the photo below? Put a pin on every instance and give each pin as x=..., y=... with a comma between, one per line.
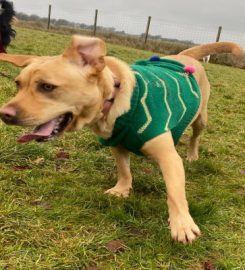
x=42, y=132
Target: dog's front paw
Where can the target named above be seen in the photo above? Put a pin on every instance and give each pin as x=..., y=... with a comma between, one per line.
x=183, y=229
x=119, y=191
x=192, y=156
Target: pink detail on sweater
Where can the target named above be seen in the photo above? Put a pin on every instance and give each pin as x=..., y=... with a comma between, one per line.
x=190, y=69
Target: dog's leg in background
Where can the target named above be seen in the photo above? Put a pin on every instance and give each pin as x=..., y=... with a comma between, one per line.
x=124, y=182
x=162, y=149
x=197, y=126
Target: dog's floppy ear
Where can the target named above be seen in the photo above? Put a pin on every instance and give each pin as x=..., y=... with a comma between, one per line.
x=87, y=51
x=18, y=60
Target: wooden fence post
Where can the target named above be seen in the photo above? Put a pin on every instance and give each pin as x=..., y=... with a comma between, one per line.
x=147, y=28
x=49, y=16
x=219, y=34
x=95, y=21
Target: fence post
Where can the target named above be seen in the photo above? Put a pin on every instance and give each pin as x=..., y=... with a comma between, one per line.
x=147, y=28
x=219, y=34
x=49, y=16
x=95, y=21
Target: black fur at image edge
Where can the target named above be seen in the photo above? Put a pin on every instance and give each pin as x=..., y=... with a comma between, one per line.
x=6, y=32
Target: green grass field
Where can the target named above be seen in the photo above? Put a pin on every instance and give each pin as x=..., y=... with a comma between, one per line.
x=54, y=214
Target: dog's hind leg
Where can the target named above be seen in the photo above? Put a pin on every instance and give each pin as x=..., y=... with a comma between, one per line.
x=124, y=182
x=162, y=149
x=201, y=121
x=197, y=126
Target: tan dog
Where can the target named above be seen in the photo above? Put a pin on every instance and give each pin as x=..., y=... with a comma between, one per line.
x=70, y=91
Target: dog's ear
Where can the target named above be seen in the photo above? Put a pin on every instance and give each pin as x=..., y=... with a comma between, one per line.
x=18, y=60
x=87, y=51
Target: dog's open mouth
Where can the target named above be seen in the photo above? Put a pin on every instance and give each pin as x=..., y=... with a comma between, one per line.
x=48, y=130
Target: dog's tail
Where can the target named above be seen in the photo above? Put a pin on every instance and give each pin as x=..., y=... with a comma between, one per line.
x=198, y=52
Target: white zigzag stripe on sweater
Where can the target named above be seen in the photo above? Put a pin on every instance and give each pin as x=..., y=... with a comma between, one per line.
x=189, y=83
x=143, y=102
x=179, y=95
x=165, y=100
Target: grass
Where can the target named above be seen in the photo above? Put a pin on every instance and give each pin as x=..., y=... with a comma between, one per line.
x=54, y=214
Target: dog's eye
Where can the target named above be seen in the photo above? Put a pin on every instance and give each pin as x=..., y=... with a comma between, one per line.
x=46, y=87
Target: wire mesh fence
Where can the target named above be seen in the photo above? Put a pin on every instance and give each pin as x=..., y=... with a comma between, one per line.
x=109, y=23
x=159, y=29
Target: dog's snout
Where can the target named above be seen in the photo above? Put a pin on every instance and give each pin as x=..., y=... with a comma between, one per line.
x=9, y=115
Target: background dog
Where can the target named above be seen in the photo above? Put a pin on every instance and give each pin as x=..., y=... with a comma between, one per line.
x=7, y=14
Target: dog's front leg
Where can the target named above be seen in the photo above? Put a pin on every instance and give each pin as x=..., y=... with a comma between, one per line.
x=124, y=182
x=162, y=149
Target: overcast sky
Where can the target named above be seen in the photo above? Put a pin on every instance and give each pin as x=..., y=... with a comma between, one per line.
x=187, y=19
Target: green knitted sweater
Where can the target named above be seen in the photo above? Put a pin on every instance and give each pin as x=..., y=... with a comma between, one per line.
x=164, y=98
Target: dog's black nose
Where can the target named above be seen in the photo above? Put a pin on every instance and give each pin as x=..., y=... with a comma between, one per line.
x=9, y=115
